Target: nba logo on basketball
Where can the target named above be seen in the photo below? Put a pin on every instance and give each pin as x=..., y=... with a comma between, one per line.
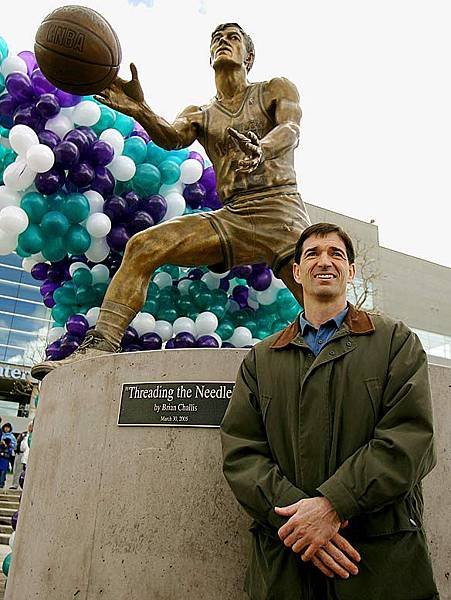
x=63, y=36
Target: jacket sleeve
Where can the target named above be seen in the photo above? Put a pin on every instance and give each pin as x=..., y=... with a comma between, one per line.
x=401, y=452
x=249, y=467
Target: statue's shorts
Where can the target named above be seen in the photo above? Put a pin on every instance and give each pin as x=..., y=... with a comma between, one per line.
x=259, y=227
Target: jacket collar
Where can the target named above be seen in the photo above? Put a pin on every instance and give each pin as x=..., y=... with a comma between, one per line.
x=357, y=321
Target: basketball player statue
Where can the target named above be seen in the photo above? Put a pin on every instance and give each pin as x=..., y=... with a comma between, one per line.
x=249, y=131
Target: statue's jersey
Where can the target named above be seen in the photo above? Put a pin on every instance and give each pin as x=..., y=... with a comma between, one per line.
x=224, y=154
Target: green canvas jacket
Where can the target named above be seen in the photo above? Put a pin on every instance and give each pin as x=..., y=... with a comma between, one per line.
x=353, y=424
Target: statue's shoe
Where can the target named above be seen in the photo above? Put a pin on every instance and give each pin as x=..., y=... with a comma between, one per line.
x=93, y=345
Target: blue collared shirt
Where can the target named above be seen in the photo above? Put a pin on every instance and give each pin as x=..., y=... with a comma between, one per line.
x=316, y=339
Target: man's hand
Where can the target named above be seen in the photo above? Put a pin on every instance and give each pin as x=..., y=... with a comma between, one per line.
x=125, y=96
x=337, y=557
x=250, y=145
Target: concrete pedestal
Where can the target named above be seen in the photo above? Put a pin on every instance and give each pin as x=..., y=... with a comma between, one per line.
x=136, y=513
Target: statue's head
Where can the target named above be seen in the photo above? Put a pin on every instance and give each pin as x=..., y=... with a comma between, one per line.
x=230, y=43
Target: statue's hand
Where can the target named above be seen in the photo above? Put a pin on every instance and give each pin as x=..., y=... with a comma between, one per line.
x=125, y=96
x=250, y=145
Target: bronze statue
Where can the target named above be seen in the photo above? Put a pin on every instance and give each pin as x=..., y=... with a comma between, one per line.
x=250, y=132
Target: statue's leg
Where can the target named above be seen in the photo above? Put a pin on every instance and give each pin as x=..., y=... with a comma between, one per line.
x=186, y=241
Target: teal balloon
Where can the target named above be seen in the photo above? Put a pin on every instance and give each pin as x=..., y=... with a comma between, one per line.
x=23, y=253
x=155, y=154
x=82, y=277
x=135, y=147
x=61, y=312
x=77, y=240
x=76, y=207
x=35, y=205
x=84, y=308
x=173, y=271
x=10, y=157
x=4, y=131
x=31, y=240
x=3, y=49
x=261, y=334
x=146, y=180
x=151, y=306
x=168, y=314
x=64, y=295
x=124, y=124
x=185, y=305
x=100, y=290
x=241, y=317
x=153, y=291
x=169, y=171
x=2, y=83
x=107, y=119
x=169, y=297
x=54, y=249
x=178, y=155
x=85, y=294
x=54, y=223
x=57, y=201
x=225, y=329
x=7, y=560
x=30, y=439
x=278, y=325
x=288, y=313
x=36, y=401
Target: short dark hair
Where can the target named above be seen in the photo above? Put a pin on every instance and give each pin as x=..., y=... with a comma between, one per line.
x=247, y=40
x=7, y=425
x=321, y=230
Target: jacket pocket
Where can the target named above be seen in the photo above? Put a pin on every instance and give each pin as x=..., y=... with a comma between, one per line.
x=374, y=390
x=265, y=401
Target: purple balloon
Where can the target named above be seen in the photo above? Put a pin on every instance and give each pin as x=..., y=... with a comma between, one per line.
x=48, y=106
x=41, y=85
x=156, y=206
x=212, y=200
x=117, y=238
x=48, y=138
x=195, y=274
x=50, y=182
x=49, y=301
x=48, y=287
x=29, y=59
x=132, y=348
x=8, y=105
x=52, y=351
x=26, y=114
x=184, y=340
x=207, y=341
x=227, y=345
x=260, y=280
x=240, y=293
x=113, y=262
x=197, y=156
x=115, y=208
x=259, y=267
x=151, y=341
x=194, y=194
x=79, y=139
x=242, y=271
x=69, y=343
x=208, y=179
x=141, y=220
x=139, y=130
x=133, y=202
x=19, y=86
x=77, y=325
x=104, y=182
x=39, y=271
x=81, y=175
x=224, y=284
x=14, y=518
x=130, y=337
x=65, y=99
x=101, y=153
x=67, y=154
x=89, y=133
x=170, y=344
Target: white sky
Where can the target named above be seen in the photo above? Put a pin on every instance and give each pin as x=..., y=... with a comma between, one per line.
x=374, y=83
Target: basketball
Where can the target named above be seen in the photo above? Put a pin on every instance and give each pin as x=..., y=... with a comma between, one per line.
x=77, y=50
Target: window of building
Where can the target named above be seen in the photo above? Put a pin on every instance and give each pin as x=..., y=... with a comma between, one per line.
x=362, y=293
x=435, y=344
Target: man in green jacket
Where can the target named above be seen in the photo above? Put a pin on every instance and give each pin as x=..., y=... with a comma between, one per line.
x=325, y=441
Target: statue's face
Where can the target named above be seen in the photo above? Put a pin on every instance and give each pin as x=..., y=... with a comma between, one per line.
x=228, y=47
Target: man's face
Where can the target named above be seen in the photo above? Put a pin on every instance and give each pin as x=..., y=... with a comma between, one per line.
x=324, y=269
x=228, y=47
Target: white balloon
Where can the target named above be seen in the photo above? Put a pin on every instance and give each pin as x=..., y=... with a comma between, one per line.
x=86, y=113
x=13, y=220
x=183, y=324
x=176, y=206
x=18, y=176
x=143, y=323
x=100, y=274
x=123, y=168
x=219, y=275
x=169, y=188
x=12, y=537
x=113, y=137
x=40, y=158
x=61, y=124
x=217, y=337
x=253, y=303
x=255, y=341
x=98, y=250
x=164, y=330
x=22, y=138
x=13, y=64
x=162, y=279
x=92, y=315
x=268, y=296
x=277, y=283
x=8, y=243
x=183, y=286
x=241, y=337
x=206, y=323
x=98, y=225
x=77, y=265
x=190, y=171
x=9, y=197
x=38, y=257
x=96, y=201
x=54, y=334
x=211, y=282
x=28, y=263
x=5, y=142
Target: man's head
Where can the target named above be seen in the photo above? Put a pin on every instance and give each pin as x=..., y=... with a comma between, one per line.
x=324, y=262
x=230, y=43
